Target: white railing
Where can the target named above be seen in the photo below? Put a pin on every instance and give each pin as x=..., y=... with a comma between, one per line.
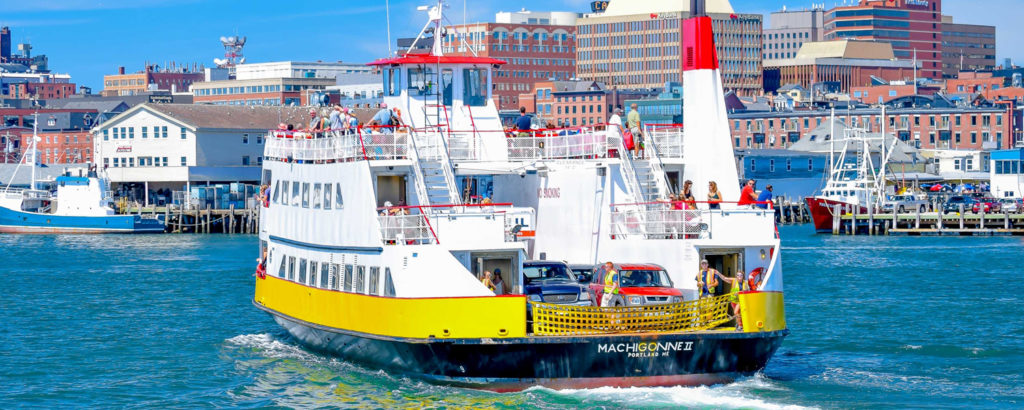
x=402, y=229
x=332, y=146
x=577, y=145
x=667, y=140
x=633, y=221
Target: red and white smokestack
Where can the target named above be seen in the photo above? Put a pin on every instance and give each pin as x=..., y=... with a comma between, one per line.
x=707, y=147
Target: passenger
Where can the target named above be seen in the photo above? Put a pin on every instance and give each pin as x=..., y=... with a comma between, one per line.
x=735, y=287
x=499, y=285
x=714, y=197
x=748, y=197
x=353, y=122
x=611, y=286
x=383, y=118
x=633, y=123
x=487, y=281
x=765, y=197
x=335, y=119
x=314, y=121
x=706, y=279
x=687, y=195
x=523, y=124
x=616, y=120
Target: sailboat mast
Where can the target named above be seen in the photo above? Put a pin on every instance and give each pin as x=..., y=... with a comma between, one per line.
x=35, y=149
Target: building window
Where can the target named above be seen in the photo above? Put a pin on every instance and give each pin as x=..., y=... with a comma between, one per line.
x=810, y=165
x=163, y=132
x=245, y=160
x=184, y=161
x=245, y=138
x=106, y=136
x=145, y=132
x=753, y=165
x=131, y=133
x=183, y=133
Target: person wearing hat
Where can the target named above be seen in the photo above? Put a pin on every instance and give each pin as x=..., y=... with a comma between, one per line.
x=707, y=279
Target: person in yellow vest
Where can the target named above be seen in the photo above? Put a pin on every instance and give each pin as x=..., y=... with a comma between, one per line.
x=611, y=286
x=706, y=279
x=735, y=287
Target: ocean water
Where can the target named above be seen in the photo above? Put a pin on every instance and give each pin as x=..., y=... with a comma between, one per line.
x=166, y=321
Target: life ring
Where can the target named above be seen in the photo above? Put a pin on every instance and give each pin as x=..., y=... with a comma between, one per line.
x=754, y=278
x=261, y=272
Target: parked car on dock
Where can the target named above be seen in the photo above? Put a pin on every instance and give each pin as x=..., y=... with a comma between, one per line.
x=905, y=203
x=1010, y=205
x=639, y=284
x=988, y=205
x=956, y=203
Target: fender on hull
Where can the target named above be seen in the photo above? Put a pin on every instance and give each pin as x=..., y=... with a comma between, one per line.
x=515, y=364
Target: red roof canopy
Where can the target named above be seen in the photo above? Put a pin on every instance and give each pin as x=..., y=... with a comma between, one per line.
x=432, y=59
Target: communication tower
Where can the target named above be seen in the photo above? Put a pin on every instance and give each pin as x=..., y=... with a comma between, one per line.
x=232, y=52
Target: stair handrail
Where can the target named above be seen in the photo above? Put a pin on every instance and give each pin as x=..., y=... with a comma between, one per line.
x=657, y=167
x=632, y=183
x=418, y=179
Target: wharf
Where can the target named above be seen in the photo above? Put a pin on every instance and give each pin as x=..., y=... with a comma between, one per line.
x=790, y=212
x=927, y=223
x=194, y=220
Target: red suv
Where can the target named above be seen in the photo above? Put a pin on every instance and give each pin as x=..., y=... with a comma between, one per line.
x=639, y=284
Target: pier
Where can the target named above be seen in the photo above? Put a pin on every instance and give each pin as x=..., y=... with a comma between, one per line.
x=208, y=220
x=851, y=221
x=789, y=212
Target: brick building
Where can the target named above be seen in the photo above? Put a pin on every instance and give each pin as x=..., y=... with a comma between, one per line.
x=175, y=79
x=847, y=63
x=925, y=122
x=576, y=102
x=42, y=91
x=64, y=137
x=878, y=94
x=909, y=25
x=637, y=45
x=537, y=46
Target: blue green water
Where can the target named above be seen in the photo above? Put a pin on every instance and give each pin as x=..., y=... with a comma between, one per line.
x=165, y=321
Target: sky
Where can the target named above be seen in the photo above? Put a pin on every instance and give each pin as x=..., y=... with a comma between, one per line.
x=90, y=38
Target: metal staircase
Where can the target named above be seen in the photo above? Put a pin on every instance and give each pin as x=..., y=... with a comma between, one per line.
x=435, y=182
x=651, y=172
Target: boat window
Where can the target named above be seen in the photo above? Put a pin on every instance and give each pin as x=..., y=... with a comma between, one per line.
x=474, y=89
x=389, y=284
x=360, y=279
x=374, y=279
x=291, y=268
x=295, y=194
x=348, y=278
x=391, y=85
x=324, y=272
x=302, y=271
x=327, y=196
x=281, y=271
x=284, y=193
x=421, y=80
x=446, y=86
x=277, y=192
x=312, y=273
x=338, y=203
x=335, y=271
x=316, y=196
x=305, y=194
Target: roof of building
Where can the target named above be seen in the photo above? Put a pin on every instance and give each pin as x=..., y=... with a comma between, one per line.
x=819, y=140
x=88, y=104
x=870, y=50
x=227, y=116
x=432, y=59
x=627, y=8
x=792, y=86
x=577, y=86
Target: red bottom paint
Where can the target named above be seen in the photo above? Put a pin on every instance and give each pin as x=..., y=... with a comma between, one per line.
x=821, y=210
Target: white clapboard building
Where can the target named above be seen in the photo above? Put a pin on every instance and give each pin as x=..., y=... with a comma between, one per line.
x=170, y=146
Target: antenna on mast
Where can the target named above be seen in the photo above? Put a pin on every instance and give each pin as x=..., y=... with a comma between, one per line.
x=387, y=14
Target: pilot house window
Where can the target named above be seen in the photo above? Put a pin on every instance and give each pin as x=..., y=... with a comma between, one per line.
x=474, y=90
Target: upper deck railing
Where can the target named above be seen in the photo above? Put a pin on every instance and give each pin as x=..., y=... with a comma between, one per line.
x=671, y=220
x=417, y=225
x=395, y=142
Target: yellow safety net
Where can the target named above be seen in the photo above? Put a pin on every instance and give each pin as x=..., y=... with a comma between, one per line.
x=561, y=320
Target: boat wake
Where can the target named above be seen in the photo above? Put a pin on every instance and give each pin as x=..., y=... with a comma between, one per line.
x=744, y=393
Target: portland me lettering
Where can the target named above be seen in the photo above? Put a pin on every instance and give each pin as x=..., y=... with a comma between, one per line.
x=645, y=349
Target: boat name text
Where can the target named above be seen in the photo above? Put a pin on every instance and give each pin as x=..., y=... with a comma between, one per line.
x=645, y=349
x=549, y=192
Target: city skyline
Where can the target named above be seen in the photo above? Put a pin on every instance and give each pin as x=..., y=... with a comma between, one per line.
x=78, y=39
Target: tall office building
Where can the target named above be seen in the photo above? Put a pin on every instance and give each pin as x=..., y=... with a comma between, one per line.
x=913, y=27
x=791, y=29
x=636, y=44
x=967, y=47
x=5, y=44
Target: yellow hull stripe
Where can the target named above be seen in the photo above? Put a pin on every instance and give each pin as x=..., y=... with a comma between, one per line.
x=461, y=317
x=762, y=311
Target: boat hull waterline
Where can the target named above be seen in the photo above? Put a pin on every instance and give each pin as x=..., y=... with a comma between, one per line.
x=12, y=221
x=821, y=210
x=557, y=362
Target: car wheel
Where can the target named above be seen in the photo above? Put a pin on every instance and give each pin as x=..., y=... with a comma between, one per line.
x=923, y=209
x=902, y=210
x=618, y=303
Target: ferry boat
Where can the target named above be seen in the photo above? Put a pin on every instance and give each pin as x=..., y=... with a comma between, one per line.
x=854, y=181
x=81, y=204
x=374, y=240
